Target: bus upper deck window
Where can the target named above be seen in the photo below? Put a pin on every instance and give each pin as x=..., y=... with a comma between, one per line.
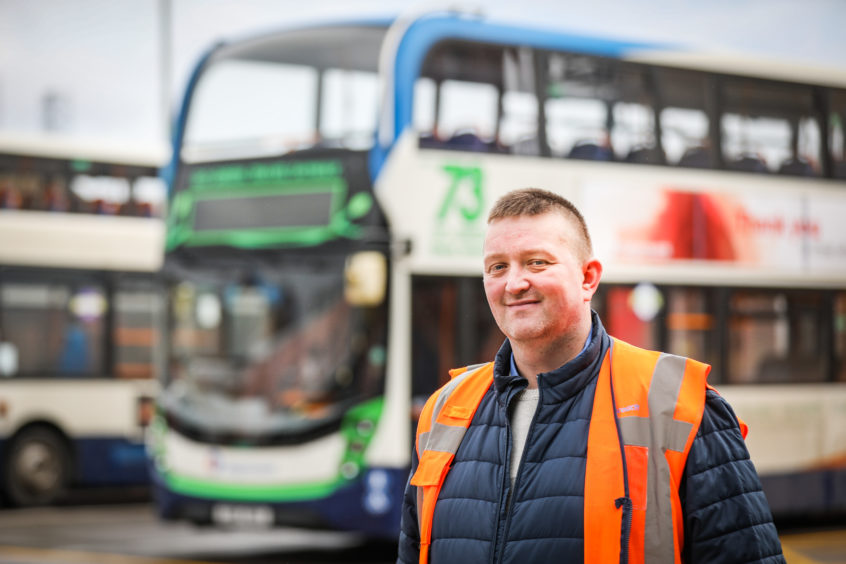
x=769, y=127
x=633, y=133
x=754, y=144
x=685, y=137
x=348, y=108
x=518, y=130
x=575, y=122
x=251, y=108
x=424, y=109
x=467, y=119
x=577, y=106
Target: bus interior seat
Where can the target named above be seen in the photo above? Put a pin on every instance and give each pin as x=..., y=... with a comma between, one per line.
x=796, y=167
x=749, y=163
x=591, y=152
x=645, y=155
x=429, y=141
x=696, y=157
x=467, y=141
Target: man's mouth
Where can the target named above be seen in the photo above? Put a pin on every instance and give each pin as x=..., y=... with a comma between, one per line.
x=520, y=303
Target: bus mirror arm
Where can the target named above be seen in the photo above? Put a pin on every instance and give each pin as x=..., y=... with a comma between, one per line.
x=401, y=248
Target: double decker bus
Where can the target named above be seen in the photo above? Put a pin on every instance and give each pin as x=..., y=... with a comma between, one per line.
x=81, y=314
x=328, y=195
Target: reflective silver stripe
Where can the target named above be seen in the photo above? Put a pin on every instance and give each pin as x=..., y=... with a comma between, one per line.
x=433, y=435
x=659, y=432
x=445, y=438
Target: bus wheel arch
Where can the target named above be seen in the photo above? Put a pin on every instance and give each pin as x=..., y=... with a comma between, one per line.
x=37, y=466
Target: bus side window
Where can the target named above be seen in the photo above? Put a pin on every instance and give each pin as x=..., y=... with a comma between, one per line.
x=477, y=97
x=683, y=116
x=463, y=117
x=138, y=315
x=806, y=157
x=685, y=137
x=769, y=128
x=776, y=336
x=837, y=133
x=518, y=125
x=577, y=112
x=625, y=319
x=467, y=119
x=575, y=128
x=633, y=119
x=10, y=197
x=55, y=328
x=839, y=321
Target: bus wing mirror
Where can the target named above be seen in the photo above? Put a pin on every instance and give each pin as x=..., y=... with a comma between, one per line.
x=365, y=278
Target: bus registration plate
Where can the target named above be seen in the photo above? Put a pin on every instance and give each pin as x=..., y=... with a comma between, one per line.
x=242, y=515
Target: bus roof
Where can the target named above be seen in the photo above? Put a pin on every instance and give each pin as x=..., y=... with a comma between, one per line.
x=426, y=28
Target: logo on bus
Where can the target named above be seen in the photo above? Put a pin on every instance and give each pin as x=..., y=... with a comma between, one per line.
x=459, y=225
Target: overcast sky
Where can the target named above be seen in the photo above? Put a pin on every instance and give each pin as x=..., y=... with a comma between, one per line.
x=99, y=66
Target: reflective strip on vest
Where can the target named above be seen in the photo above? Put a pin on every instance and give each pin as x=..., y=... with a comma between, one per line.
x=658, y=433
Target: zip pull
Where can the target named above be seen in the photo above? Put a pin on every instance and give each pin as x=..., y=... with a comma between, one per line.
x=626, y=504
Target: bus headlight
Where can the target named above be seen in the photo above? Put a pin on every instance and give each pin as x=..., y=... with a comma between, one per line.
x=377, y=499
x=365, y=278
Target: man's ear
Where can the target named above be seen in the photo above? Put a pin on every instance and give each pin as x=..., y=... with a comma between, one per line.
x=592, y=273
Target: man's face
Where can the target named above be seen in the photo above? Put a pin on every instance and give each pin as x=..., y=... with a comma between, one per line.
x=535, y=277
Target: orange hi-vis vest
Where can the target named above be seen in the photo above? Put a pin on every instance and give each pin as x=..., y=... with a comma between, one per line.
x=632, y=510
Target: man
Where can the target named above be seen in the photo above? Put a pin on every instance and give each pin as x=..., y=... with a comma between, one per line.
x=573, y=446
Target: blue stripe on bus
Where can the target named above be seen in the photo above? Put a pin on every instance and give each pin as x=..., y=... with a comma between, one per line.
x=104, y=461
x=109, y=461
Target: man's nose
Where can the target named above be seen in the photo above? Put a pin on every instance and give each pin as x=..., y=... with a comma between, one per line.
x=517, y=281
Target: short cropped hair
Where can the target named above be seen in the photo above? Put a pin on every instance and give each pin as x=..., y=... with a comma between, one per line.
x=534, y=201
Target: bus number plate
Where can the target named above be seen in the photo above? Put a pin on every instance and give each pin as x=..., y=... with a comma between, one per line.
x=242, y=515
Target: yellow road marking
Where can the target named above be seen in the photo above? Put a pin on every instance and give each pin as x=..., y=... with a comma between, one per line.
x=825, y=544
x=793, y=557
x=28, y=555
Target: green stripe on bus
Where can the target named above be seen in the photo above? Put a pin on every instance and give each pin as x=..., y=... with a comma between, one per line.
x=245, y=492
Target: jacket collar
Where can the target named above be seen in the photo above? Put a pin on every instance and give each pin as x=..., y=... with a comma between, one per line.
x=561, y=383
